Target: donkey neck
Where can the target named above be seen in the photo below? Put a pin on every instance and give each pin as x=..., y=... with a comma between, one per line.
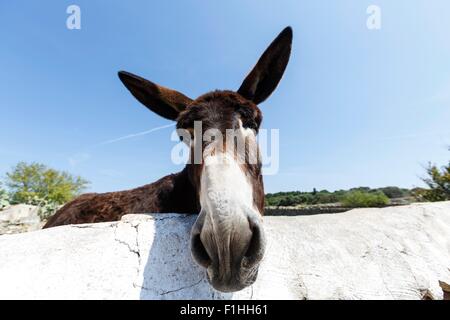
x=173, y=193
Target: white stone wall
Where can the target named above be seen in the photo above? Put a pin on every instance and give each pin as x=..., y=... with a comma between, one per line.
x=390, y=253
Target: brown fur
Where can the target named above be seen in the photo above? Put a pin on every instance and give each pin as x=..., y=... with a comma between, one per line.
x=173, y=193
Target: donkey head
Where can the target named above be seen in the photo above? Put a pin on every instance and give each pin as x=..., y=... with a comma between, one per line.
x=227, y=239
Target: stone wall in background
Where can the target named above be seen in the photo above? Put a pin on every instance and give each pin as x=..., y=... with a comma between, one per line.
x=19, y=218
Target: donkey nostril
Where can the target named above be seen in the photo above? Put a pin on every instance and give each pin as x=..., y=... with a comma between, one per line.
x=255, y=247
x=252, y=246
x=199, y=252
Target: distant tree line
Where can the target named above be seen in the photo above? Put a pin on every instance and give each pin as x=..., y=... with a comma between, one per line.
x=37, y=184
x=437, y=181
x=360, y=197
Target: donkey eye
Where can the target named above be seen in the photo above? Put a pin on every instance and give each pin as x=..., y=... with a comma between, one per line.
x=248, y=118
x=250, y=124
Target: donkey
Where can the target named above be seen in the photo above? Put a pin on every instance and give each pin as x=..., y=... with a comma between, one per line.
x=229, y=243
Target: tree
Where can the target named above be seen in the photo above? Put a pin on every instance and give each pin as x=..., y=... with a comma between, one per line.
x=438, y=181
x=288, y=201
x=394, y=192
x=362, y=189
x=28, y=182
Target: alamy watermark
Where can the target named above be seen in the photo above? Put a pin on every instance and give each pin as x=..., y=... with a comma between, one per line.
x=197, y=147
x=373, y=21
x=73, y=21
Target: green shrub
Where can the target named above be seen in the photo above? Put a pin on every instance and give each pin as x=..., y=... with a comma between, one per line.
x=363, y=199
x=288, y=201
x=28, y=182
x=46, y=207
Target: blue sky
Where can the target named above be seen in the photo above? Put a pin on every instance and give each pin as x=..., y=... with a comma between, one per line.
x=356, y=107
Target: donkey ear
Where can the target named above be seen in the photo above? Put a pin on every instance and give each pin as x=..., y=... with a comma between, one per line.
x=163, y=101
x=267, y=73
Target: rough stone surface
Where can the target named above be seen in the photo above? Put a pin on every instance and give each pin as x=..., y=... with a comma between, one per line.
x=390, y=253
x=19, y=218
